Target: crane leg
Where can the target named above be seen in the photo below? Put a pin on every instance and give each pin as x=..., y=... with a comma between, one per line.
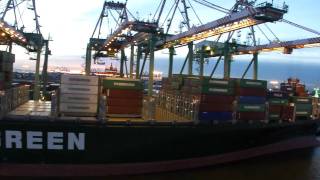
x=88, y=61
x=36, y=92
x=171, y=54
x=139, y=54
x=122, y=59
x=255, y=66
x=201, y=73
x=190, y=62
x=131, y=61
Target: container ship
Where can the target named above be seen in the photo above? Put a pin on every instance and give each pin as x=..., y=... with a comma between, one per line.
x=106, y=126
x=103, y=126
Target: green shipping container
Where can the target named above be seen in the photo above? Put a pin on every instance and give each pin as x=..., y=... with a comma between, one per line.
x=207, y=81
x=303, y=107
x=251, y=108
x=213, y=90
x=126, y=84
x=247, y=83
x=301, y=100
x=304, y=113
x=175, y=85
x=278, y=101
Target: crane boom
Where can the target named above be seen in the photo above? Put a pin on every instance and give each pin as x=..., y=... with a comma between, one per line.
x=238, y=20
x=11, y=33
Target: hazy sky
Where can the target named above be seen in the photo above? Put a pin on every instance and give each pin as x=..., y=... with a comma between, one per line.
x=71, y=23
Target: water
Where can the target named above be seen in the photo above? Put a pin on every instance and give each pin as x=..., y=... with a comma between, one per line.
x=295, y=165
x=308, y=72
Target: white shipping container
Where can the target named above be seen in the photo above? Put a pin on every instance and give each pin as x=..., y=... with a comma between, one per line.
x=78, y=108
x=79, y=80
x=79, y=98
x=78, y=89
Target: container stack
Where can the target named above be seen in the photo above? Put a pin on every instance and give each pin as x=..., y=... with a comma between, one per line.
x=124, y=97
x=277, y=102
x=170, y=103
x=303, y=107
x=251, y=100
x=294, y=88
x=213, y=98
x=78, y=96
x=20, y=95
x=6, y=69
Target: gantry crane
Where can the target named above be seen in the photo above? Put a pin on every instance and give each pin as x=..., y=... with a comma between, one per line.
x=244, y=14
x=16, y=33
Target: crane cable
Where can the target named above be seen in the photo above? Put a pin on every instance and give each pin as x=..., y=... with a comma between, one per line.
x=213, y=6
x=300, y=26
x=272, y=32
x=194, y=11
x=168, y=13
x=20, y=15
x=158, y=9
x=174, y=12
x=264, y=34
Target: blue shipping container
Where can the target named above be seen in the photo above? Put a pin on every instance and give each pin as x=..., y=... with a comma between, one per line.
x=251, y=100
x=218, y=116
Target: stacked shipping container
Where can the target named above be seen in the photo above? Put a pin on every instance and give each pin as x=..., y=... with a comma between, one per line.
x=303, y=107
x=214, y=98
x=277, y=104
x=6, y=69
x=124, y=97
x=78, y=96
x=251, y=99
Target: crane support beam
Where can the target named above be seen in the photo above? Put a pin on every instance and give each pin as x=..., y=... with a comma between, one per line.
x=297, y=44
x=235, y=21
x=127, y=26
x=217, y=49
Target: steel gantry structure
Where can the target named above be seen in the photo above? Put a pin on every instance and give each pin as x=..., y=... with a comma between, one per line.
x=13, y=31
x=151, y=36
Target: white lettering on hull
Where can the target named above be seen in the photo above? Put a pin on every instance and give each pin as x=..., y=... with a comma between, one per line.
x=34, y=140
x=37, y=140
x=55, y=141
x=13, y=139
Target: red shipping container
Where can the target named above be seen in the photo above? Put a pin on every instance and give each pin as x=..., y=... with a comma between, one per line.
x=209, y=107
x=287, y=113
x=217, y=99
x=124, y=102
x=275, y=109
x=124, y=110
x=251, y=92
x=129, y=94
x=247, y=116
